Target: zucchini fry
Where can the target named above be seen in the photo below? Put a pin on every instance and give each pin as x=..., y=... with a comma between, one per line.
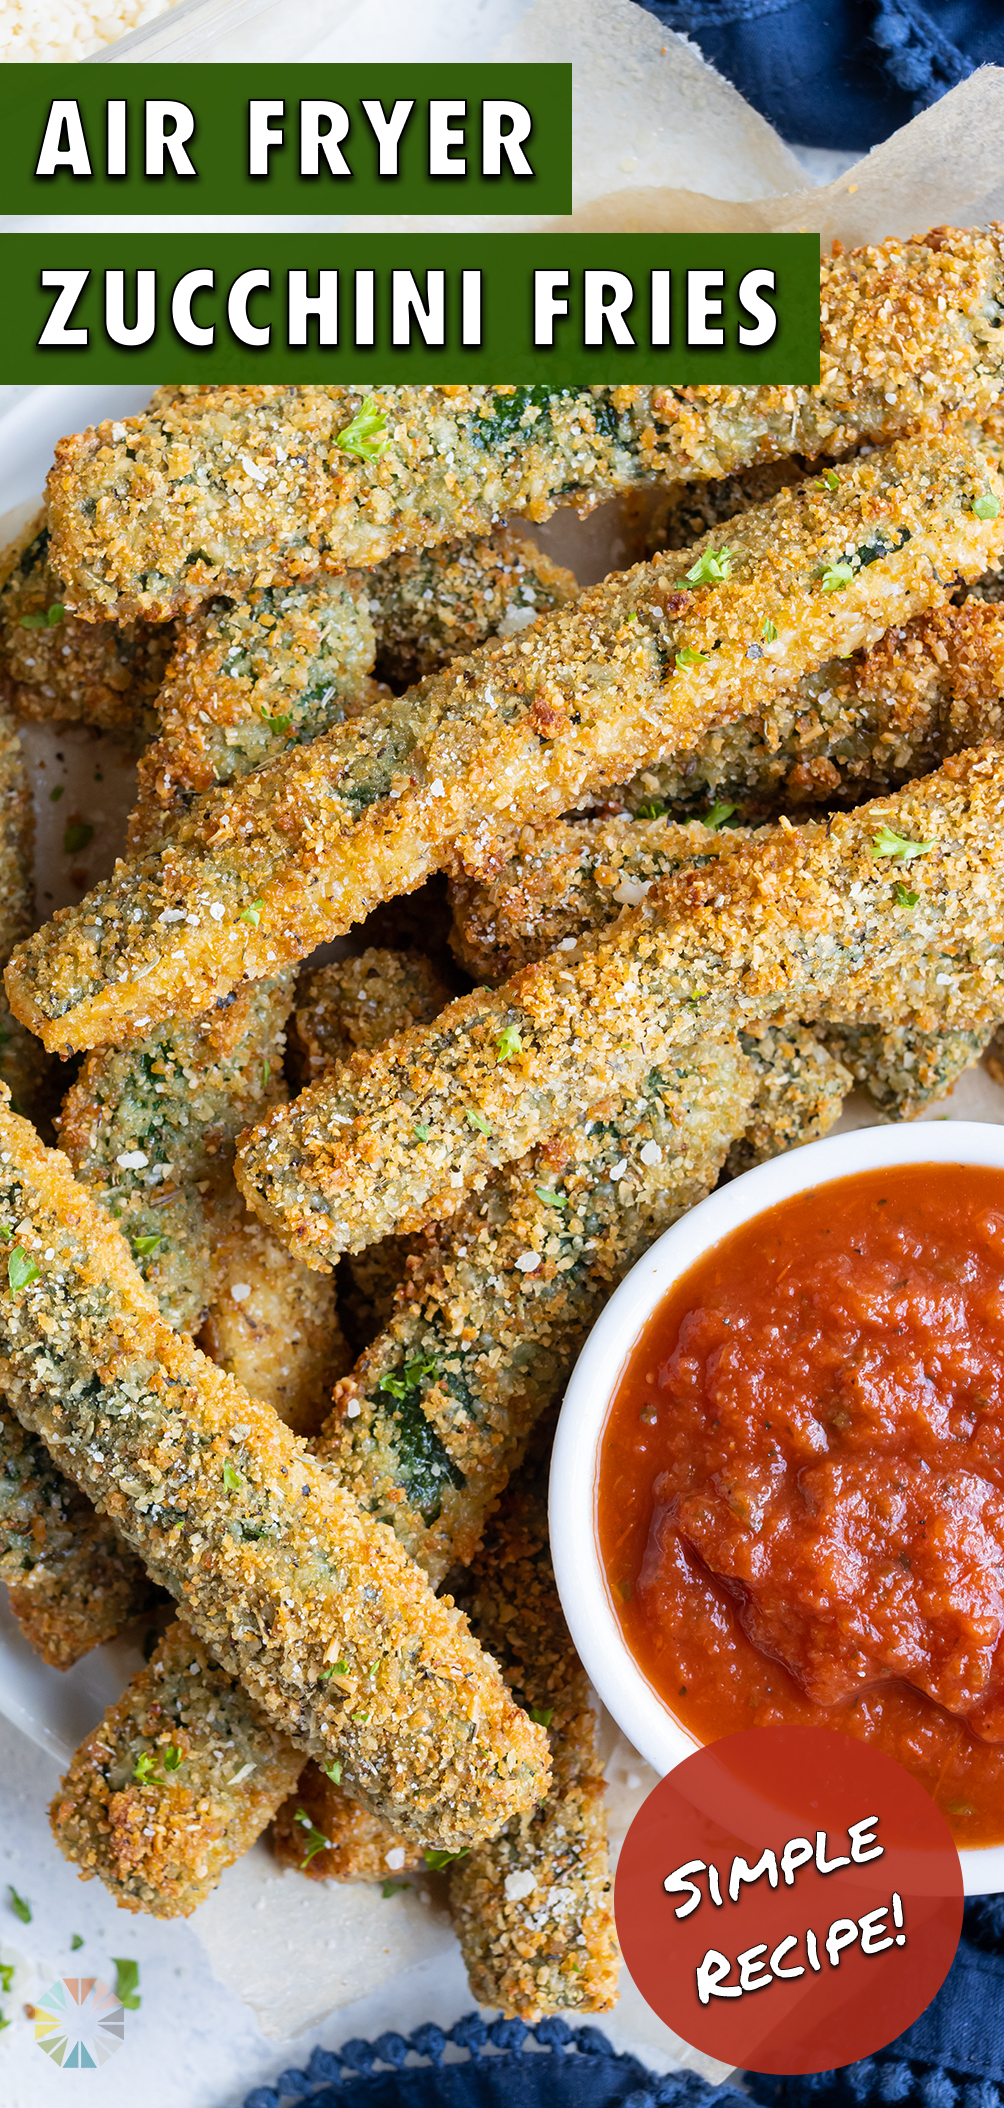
x=72, y=1584
x=350, y=1004
x=280, y=1574
x=250, y=680
x=176, y=1782
x=24, y=1064
x=800, y=1091
x=53, y=665
x=901, y=1068
x=293, y=854
x=533, y=1908
x=430, y=606
x=808, y=922
x=151, y=1128
x=221, y=490
x=853, y=728
x=437, y=1414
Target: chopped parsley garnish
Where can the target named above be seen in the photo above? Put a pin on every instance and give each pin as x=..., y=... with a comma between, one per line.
x=76, y=1942
x=265, y=1074
x=144, y=1767
x=21, y=1271
x=986, y=506
x=435, y=1860
x=76, y=835
x=7, y=1974
x=711, y=569
x=653, y=811
x=172, y=1758
x=835, y=577
x=144, y=1247
x=127, y=1983
x=19, y=1906
x=398, y=1386
x=829, y=480
x=549, y=1199
x=232, y=1478
x=717, y=816
x=333, y=1771
x=48, y=618
x=542, y=1714
x=252, y=913
x=422, y=1132
x=367, y=435
x=508, y=1043
x=474, y=1119
x=689, y=657
x=770, y=632
x=391, y=1888
x=905, y=899
x=888, y=843
x=315, y=1842
x=55, y=795
x=276, y=724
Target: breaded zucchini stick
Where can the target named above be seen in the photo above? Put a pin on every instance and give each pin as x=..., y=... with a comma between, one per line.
x=852, y=728
x=520, y=896
x=54, y=665
x=533, y=1908
x=134, y=1826
x=72, y=1584
x=152, y=1127
x=430, y=606
x=801, y=1084
x=24, y=1065
x=330, y=1626
x=901, y=1068
x=220, y=490
x=809, y=922
x=176, y=1782
x=359, y=1003
x=293, y=854
x=249, y=680
x=437, y=1413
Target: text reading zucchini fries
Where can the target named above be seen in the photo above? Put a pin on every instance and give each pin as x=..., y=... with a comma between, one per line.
x=255, y=876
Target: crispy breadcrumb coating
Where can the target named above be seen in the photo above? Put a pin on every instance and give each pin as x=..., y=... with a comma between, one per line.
x=224, y=489
x=800, y=1092
x=280, y=1574
x=358, y=1003
x=255, y=876
x=812, y=922
x=152, y=1127
x=72, y=1583
x=850, y=729
x=901, y=1068
x=430, y=606
x=437, y=1413
x=533, y=1909
x=53, y=665
x=133, y=1808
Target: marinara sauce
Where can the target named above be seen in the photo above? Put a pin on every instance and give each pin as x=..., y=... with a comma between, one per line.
x=801, y=1486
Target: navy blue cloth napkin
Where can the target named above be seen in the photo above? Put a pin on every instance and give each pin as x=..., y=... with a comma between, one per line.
x=840, y=73
x=952, y=2057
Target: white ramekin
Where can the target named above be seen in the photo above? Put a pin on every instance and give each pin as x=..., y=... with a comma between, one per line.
x=585, y=1597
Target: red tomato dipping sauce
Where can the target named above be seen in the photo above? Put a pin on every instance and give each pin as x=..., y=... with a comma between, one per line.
x=801, y=1483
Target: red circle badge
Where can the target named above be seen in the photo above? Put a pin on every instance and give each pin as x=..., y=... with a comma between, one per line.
x=789, y=1899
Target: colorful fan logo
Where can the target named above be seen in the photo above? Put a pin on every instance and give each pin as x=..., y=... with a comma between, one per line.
x=79, y=2023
